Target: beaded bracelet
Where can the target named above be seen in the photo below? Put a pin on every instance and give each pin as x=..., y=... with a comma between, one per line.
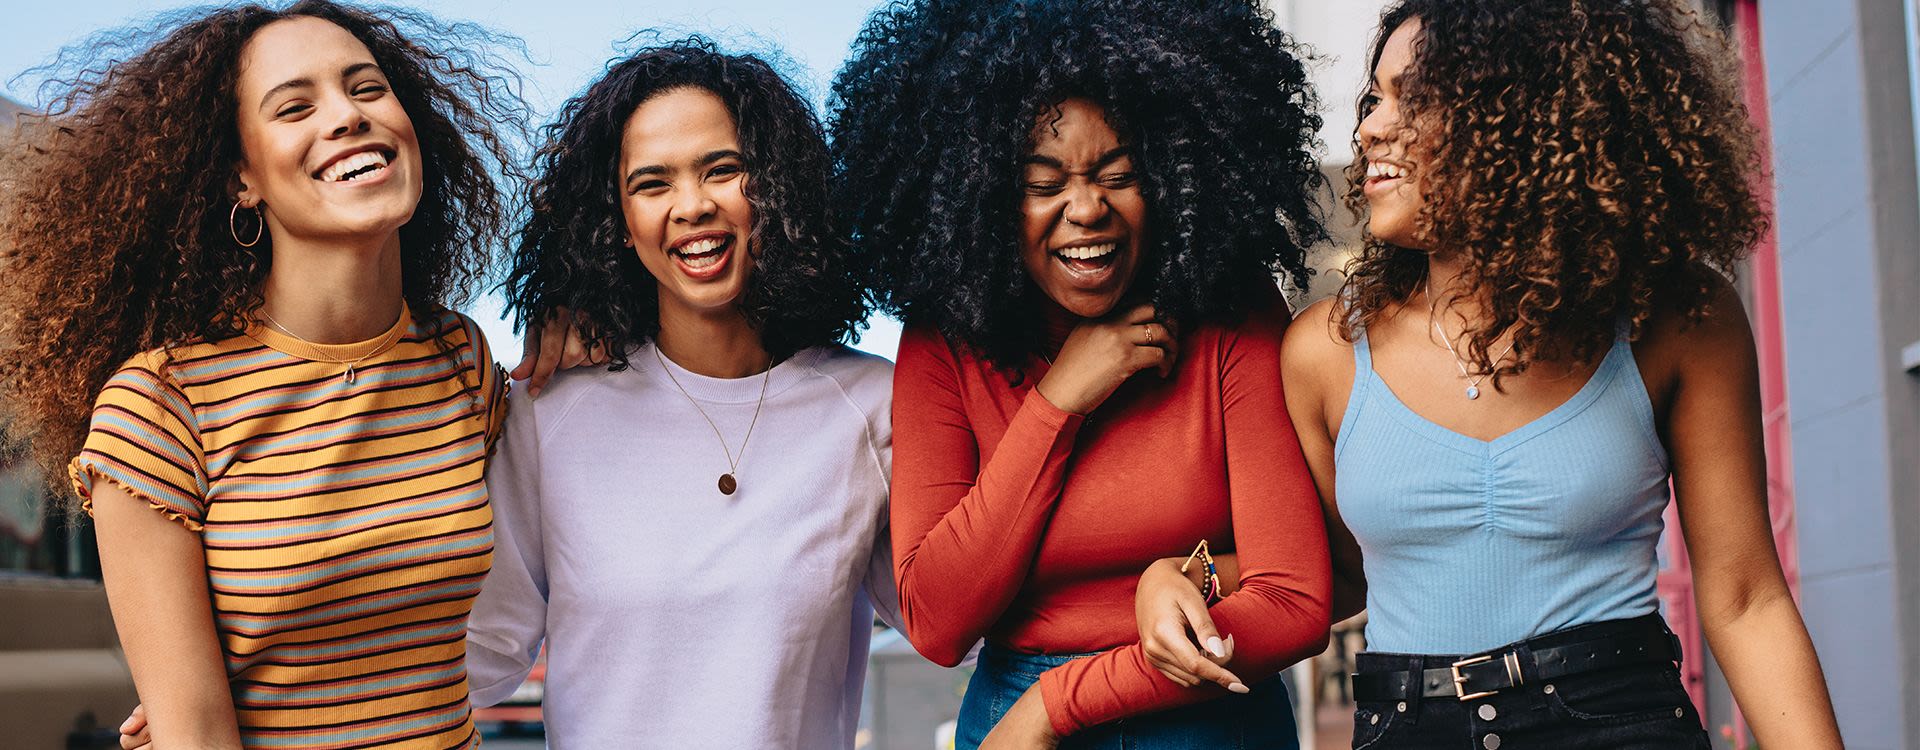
x=1210, y=583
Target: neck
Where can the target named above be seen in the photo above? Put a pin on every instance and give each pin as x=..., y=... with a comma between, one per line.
x=333, y=292
x=1443, y=288
x=714, y=344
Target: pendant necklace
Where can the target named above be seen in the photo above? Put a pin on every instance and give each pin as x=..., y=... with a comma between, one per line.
x=1473, y=381
x=728, y=484
x=350, y=375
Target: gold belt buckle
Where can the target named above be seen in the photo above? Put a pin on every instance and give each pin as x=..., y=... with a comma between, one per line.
x=1508, y=660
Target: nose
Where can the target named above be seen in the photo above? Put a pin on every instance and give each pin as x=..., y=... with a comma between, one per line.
x=349, y=120
x=692, y=205
x=1377, y=126
x=1086, y=204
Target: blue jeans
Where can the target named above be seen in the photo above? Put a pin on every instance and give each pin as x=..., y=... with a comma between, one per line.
x=1260, y=719
x=1625, y=708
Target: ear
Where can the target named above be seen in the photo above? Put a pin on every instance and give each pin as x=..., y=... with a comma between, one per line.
x=240, y=186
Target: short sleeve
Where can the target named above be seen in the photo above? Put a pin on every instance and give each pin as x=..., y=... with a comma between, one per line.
x=493, y=382
x=143, y=438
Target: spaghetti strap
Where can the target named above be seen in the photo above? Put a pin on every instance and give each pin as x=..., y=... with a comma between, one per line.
x=1363, y=378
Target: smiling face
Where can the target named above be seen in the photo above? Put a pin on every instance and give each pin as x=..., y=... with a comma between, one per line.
x=684, y=199
x=1392, y=185
x=327, y=150
x=1083, y=219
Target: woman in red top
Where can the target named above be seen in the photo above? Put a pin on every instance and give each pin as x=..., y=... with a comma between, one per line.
x=1078, y=207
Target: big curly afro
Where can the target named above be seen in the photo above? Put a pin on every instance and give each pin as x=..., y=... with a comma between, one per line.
x=931, y=115
x=1593, y=160
x=803, y=292
x=114, y=218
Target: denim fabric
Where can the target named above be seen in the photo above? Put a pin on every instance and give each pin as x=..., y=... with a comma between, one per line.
x=1639, y=707
x=1260, y=719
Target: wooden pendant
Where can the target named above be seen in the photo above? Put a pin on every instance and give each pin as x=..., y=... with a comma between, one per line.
x=727, y=484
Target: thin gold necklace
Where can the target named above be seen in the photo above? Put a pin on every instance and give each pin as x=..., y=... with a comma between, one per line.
x=727, y=481
x=350, y=376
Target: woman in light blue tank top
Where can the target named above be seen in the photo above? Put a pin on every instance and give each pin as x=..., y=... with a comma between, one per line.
x=1537, y=339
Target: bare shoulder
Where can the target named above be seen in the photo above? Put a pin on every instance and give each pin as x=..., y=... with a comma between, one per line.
x=1723, y=330
x=1718, y=347
x=1313, y=352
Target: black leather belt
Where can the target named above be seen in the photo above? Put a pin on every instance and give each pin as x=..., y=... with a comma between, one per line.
x=1484, y=674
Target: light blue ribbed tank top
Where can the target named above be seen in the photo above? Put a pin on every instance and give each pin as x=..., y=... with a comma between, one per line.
x=1472, y=544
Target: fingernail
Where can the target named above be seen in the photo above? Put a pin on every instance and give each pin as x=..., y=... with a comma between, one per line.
x=127, y=725
x=1218, y=648
x=1239, y=688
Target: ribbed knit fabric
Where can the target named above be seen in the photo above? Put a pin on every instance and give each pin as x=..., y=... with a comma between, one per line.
x=1470, y=544
x=345, y=523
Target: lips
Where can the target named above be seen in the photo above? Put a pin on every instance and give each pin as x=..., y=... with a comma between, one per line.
x=1088, y=263
x=1382, y=175
x=702, y=255
x=356, y=165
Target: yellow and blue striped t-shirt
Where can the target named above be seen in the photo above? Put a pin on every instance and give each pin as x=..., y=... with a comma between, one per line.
x=346, y=524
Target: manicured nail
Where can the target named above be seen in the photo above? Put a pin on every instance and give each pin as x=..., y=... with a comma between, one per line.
x=1239, y=688
x=1216, y=647
x=126, y=726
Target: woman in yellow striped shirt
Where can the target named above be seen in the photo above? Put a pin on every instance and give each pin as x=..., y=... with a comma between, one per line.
x=240, y=237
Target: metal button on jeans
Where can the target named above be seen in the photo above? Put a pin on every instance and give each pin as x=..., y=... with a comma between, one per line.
x=1490, y=742
x=1402, y=708
x=1487, y=712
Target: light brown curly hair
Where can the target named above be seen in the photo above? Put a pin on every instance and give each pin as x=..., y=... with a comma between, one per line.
x=114, y=235
x=1592, y=159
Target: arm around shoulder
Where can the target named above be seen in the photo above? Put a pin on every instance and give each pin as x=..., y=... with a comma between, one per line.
x=509, y=617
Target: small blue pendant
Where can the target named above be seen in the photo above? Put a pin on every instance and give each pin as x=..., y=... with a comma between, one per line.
x=1473, y=392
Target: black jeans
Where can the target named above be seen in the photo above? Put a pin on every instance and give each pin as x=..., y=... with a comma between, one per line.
x=1626, y=708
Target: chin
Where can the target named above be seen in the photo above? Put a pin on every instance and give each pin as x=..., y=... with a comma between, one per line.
x=1088, y=305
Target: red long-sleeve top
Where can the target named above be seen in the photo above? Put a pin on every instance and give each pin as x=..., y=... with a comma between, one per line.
x=1019, y=522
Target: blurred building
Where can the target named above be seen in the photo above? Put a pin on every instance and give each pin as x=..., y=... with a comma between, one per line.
x=63, y=681
x=1840, y=90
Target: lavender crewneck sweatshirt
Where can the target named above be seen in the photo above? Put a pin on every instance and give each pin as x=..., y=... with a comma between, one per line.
x=676, y=616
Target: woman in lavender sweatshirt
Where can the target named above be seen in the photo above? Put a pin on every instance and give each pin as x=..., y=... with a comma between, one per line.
x=696, y=530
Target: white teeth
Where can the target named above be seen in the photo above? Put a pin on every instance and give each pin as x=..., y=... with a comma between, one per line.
x=1383, y=169
x=700, y=247
x=362, y=160
x=1086, y=252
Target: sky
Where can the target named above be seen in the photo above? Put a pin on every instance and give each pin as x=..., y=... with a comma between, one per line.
x=569, y=42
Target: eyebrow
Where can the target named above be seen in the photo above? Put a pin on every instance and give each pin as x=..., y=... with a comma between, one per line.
x=1107, y=158
x=705, y=159
x=306, y=82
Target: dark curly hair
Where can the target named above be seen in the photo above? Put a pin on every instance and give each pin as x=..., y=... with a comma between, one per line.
x=1592, y=159
x=804, y=291
x=114, y=229
x=934, y=111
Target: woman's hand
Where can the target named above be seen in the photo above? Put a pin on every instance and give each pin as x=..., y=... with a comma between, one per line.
x=1174, y=626
x=1102, y=353
x=551, y=347
x=133, y=731
x=1025, y=727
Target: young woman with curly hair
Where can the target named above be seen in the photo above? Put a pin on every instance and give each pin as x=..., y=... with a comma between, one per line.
x=1537, y=347
x=239, y=236
x=1078, y=206
x=697, y=530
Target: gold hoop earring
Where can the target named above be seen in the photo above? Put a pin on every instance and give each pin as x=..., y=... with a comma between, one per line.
x=233, y=225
